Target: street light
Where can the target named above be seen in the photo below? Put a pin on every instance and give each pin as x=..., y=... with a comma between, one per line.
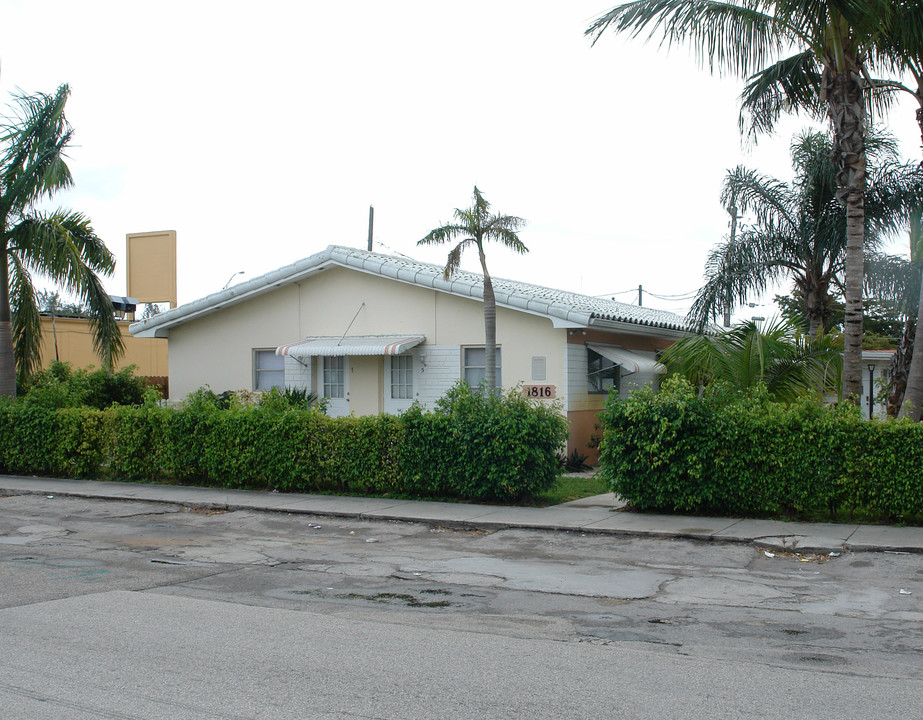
x=239, y=272
x=871, y=367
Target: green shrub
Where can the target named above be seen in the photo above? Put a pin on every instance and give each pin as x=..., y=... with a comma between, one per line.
x=482, y=446
x=62, y=386
x=735, y=453
x=471, y=446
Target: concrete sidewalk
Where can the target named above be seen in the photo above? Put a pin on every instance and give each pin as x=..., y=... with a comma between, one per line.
x=599, y=514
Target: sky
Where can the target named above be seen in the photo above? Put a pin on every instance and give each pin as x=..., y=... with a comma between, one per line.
x=262, y=132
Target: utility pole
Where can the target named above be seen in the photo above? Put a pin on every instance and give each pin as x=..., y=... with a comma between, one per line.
x=640, y=290
x=371, y=225
x=727, y=308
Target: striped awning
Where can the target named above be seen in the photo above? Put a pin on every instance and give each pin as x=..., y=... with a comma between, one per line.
x=354, y=345
x=630, y=362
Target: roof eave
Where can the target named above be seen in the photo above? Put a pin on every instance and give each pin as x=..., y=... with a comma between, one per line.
x=639, y=328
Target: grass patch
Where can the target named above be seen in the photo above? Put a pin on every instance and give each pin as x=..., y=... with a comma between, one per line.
x=567, y=488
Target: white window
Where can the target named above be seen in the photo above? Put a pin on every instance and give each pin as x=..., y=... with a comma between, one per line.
x=268, y=370
x=602, y=373
x=402, y=377
x=475, y=366
x=334, y=377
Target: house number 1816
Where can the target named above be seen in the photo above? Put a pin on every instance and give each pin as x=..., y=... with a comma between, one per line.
x=538, y=391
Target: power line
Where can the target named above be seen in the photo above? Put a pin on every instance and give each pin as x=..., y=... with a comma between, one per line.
x=634, y=291
x=622, y=292
x=685, y=296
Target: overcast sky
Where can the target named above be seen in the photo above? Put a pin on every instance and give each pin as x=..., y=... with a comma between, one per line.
x=262, y=132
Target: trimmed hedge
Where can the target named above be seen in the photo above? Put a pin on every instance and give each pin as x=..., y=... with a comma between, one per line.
x=735, y=454
x=470, y=447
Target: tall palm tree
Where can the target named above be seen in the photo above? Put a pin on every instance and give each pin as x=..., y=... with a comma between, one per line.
x=799, y=231
x=896, y=281
x=747, y=37
x=790, y=365
x=901, y=50
x=475, y=226
x=60, y=246
x=912, y=402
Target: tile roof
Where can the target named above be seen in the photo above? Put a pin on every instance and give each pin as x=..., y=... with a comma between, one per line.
x=565, y=307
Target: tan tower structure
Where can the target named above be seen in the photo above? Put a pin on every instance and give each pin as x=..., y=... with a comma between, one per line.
x=151, y=267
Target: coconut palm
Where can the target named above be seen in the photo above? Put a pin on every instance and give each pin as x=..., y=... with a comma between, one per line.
x=789, y=364
x=799, y=232
x=60, y=246
x=475, y=226
x=748, y=37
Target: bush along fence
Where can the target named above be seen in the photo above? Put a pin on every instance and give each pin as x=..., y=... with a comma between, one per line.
x=741, y=454
x=471, y=446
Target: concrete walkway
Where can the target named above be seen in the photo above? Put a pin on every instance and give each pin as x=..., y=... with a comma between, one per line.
x=599, y=514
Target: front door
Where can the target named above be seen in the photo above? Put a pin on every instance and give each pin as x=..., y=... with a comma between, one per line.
x=398, y=383
x=333, y=383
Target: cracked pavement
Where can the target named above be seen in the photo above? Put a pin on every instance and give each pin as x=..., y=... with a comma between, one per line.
x=855, y=615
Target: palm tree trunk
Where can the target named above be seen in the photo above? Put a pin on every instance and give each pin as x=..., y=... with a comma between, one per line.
x=913, y=395
x=7, y=362
x=813, y=309
x=847, y=113
x=900, y=368
x=490, y=328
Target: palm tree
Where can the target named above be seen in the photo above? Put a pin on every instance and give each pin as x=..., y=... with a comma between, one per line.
x=746, y=37
x=913, y=390
x=799, y=231
x=901, y=49
x=789, y=364
x=475, y=226
x=59, y=245
x=896, y=281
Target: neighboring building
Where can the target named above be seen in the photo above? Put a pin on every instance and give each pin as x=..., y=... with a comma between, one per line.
x=70, y=339
x=374, y=333
x=876, y=366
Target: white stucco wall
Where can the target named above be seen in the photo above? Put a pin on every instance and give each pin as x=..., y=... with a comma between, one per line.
x=217, y=349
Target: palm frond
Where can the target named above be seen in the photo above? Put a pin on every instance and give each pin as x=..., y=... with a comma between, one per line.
x=508, y=238
x=442, y=235
x=64, y=248
x=734, y=272
x=27, y=325
x=107, y=336
x=791, y=85
x=894, y=192
x=768, y=198
x=453, y=261
x=726, y=37
x=892, y=278
x=476, y=225
x=775, y=355
x=32, y=164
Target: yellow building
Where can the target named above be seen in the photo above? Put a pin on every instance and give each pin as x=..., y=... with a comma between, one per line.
x=151, y=278
x=70, y=339
x=373, y=333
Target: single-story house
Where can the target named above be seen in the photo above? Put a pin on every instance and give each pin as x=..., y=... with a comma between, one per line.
x=373, y=333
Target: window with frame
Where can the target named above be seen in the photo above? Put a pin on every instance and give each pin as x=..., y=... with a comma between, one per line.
x=402, y=377
x=268, y=370
x=474, y=366
x=603, y=375
x=334, y=377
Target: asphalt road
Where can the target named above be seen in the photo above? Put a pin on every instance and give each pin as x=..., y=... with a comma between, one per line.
x=143, y=610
